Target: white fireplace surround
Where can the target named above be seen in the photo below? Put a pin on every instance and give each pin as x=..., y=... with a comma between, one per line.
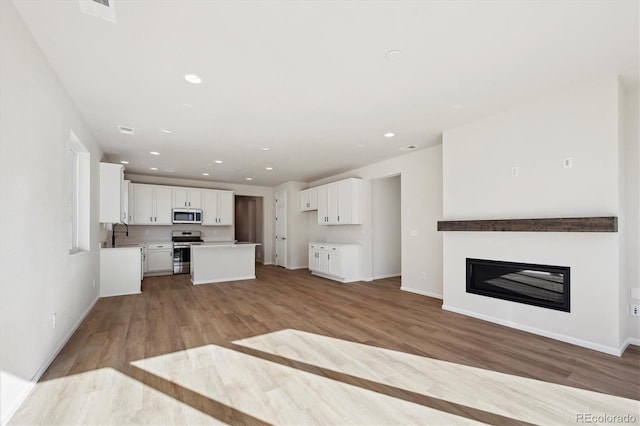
x=586, y=125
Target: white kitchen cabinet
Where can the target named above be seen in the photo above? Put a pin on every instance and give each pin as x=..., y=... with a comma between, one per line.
x=111, y=193
x=152, y=204
x=340, y=262
x=187, y=198
x=309, y=199
x=126, y=212
x=340, y=203
x=217, y=208
x=159, y=258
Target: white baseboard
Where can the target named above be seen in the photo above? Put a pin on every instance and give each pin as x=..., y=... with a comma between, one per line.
x=268, y=263
x=224, y=280
x=6, y=416
x=557, y=336
x=630, y=341
x=381, y=277
x=421, y=292
x=299, y=267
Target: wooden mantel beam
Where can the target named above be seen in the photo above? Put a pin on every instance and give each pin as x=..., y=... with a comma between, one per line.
x=568, y=224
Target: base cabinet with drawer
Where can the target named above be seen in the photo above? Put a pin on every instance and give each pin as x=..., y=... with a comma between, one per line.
x=159, y=259
x=335, y=261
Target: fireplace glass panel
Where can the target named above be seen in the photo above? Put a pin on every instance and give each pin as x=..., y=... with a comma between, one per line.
x=539, y=285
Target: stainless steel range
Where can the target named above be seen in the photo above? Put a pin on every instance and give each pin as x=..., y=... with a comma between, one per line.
x=182, y=241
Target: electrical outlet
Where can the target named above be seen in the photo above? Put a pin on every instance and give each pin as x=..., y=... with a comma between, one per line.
x=53, y=320
x=515, y=171
x=567, y=162
x=635, y=310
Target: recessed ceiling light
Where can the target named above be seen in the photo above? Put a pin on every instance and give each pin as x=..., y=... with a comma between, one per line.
x=269, y=168
x=192, y=78
x=126, y=130
x=169, y=170
x=166, y=130
x=218, y=161
x=249, y=178
x=456, y=106
x=154, y=153
x=124, y=162
x=205, y=174
x=187, y=106
x=264, y=148
x=389, y=135
x=393, y=55
x=360, y=145
x=154, y=168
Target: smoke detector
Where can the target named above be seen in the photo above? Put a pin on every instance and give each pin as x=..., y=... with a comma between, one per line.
x=408, y=148
x=99, y=8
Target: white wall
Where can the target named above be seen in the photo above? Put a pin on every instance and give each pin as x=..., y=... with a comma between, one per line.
x=386, y=227
x=421, y=208
x=267, y=194
x=477, y=159
x=632, y=180
x=297, y=228
x=38, y=276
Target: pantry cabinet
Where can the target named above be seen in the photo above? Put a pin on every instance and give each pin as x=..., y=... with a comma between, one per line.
x=151, y=204
x=339, y=203
x=339, y=262
x=217, y=208
x=187, y=198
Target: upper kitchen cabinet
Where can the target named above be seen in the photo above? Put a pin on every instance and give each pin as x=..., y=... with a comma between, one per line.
x=151, y=204
x=309, y=199
x=217, y=207
x=187, y=198
x=113, y=194
x=339, y=203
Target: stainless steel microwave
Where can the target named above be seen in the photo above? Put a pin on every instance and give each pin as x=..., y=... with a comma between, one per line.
x=187, y=216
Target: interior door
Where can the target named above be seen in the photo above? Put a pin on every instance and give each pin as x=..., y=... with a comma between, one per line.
x=281, y=228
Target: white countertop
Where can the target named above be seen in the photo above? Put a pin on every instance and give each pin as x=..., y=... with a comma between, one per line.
x=224, y=244
x=335, y=244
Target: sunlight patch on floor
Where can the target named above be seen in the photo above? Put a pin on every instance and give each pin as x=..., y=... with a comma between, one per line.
x=511, y=396
x=278, y=394
x=104, y=397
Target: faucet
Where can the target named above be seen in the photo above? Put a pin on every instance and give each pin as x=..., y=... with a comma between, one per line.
x=113, y=233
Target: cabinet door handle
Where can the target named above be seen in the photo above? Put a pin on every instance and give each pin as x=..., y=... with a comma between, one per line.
x=189, y=203
x=338, y=218
x=150, y=218
x=155, y=219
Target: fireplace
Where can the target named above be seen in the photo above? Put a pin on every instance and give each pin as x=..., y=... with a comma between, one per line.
x=540, y=285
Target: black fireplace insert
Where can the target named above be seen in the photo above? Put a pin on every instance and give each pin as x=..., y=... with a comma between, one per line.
x=540, y=285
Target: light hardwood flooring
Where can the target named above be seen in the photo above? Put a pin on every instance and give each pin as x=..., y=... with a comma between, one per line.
x=290, y=348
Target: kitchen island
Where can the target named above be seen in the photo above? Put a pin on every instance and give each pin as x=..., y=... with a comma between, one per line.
x=121, y=270
x=221, y=262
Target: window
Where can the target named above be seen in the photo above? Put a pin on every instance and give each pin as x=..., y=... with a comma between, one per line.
x=79, y=197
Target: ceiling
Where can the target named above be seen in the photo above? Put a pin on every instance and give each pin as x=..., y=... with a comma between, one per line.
x=310, y=80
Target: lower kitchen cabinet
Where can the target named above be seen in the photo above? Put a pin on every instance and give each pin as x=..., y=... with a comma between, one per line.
x=340, y=262
x=159, y=258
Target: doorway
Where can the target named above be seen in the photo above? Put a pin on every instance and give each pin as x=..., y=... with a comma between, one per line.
x=281, y=228
x=386, y=224
x=249, y=222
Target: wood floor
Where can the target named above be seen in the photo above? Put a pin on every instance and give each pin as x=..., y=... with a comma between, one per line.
x=290, y=348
